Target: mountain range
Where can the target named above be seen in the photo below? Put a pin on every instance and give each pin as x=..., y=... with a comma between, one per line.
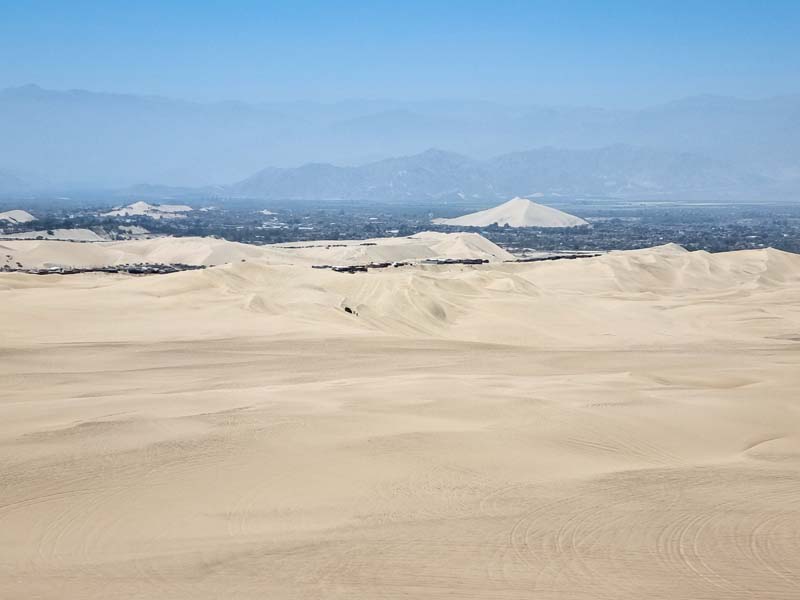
x=617, y=171
x=705, y=146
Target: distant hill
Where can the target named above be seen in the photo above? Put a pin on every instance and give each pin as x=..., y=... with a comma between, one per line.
x=431, y=175
x=16, y=217
x=517, y=212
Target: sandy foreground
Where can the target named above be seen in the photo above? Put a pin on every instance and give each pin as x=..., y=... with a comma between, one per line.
x=626, y=426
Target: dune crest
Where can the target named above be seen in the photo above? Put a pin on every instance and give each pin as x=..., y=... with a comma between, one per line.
x=210, y=252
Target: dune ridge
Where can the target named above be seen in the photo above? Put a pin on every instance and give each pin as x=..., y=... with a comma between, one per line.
x=67, y=235
x=211, y=252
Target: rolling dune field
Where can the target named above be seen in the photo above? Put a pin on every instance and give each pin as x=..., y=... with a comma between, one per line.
x=618, y=427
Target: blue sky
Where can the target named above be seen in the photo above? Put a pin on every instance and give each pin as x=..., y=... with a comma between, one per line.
x=613, y=53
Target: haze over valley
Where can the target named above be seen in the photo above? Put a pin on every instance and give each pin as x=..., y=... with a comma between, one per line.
x=699, y=148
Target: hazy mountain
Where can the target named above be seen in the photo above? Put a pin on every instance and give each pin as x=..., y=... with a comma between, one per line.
x=622, y=170
x=619, y=170
x=12, y=182
x=113, y=139
x=430, y=175
x=109, y=140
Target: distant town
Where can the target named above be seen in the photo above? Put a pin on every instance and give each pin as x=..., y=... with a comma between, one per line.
x=613, y=224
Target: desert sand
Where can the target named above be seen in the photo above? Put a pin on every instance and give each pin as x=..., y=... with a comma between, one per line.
x=618, y=427
x=517, y=212
x=32, y=253
x=154, y=211
x=69, y=235
x=16, y=216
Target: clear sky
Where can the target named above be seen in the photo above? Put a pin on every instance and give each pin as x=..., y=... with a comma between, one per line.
x=608, y=53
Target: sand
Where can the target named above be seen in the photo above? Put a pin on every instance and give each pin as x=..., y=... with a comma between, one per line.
x=211, y=252
x=154, y=211
x=70, y=235
x=517, y=212
x=620, y=427
x=16, y=216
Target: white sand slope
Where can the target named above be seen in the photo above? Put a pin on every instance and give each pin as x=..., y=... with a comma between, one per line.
x=154, y=211
x=205, y=251
x=134, y=231
x=69, y=235
x=619, y=427
x=16, y=216
x=518, y=212
x=425, y=245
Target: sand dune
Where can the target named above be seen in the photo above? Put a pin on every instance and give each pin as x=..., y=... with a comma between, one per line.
x=70, y=235
x=625, y=426
x=16, y=216
x=517, y=212
x=210, y=252
x=154, y=211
